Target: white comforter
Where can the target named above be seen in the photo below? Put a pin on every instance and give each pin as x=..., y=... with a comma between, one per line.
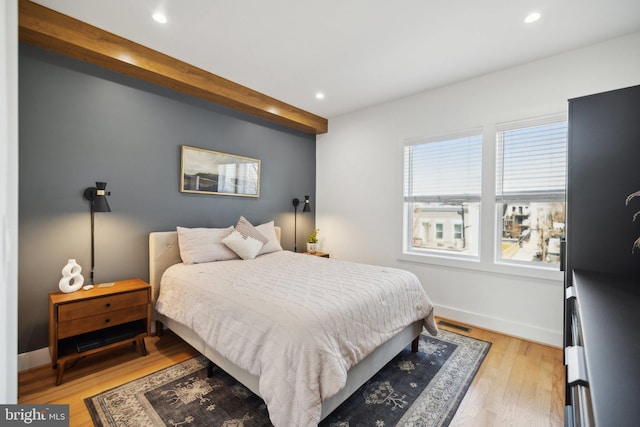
x=298, y=321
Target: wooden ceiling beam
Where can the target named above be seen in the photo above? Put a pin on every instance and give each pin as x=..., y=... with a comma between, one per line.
x=48, y=29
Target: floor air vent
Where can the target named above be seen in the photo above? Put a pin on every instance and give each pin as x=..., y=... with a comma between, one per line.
x=453, y=325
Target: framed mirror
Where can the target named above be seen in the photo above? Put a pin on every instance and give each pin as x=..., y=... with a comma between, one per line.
x=211, y=172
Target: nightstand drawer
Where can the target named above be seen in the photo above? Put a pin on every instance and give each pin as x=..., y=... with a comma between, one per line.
x=106, y=304
x=102, y=320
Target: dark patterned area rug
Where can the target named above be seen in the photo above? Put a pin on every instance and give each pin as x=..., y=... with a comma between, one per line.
x=417, y=389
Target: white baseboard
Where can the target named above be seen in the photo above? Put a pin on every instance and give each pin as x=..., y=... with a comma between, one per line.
x=33, y=359
x=507, y=327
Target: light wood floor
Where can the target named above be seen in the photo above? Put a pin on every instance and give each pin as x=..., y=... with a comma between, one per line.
x=519, y=383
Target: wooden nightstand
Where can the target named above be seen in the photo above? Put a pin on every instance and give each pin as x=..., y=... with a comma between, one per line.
x=320, y=254
x=86, y=322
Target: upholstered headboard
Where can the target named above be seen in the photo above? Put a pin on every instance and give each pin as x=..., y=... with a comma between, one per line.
x=163, y=253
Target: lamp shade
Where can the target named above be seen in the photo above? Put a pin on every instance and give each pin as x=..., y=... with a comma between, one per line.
x=307, y=207
x=100, y=203
x=98, y=197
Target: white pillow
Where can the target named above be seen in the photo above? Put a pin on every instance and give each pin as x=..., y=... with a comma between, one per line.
x=246, y=247
x=268, y=230
x=204, y=244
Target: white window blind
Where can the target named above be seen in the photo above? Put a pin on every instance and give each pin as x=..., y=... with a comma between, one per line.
x=446, y=169
x=531, y=160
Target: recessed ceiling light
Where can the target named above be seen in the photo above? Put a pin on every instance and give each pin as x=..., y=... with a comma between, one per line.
x=532, y=17
x=160, y=17
x=319, y=95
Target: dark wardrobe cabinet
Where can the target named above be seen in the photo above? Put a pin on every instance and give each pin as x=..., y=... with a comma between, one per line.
x=602, y=265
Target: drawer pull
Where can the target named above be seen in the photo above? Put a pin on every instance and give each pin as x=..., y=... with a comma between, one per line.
x=107, y=321
x=576, y=366
x=108, y=305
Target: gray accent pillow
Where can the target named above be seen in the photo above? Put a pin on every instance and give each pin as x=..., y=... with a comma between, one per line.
x=245, y=228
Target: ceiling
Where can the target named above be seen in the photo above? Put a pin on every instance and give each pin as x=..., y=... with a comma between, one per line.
x=357, y=52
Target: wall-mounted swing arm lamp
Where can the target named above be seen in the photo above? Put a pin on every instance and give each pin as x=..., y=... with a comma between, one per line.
x=97, y=197
x=305, y=208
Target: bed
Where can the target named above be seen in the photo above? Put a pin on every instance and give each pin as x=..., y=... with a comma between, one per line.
x=314, y=400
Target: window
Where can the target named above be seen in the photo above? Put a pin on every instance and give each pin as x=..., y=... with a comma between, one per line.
x=457, y=231
x=442, y=189
x=530, y=190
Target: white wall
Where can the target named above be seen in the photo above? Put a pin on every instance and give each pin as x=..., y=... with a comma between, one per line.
x=359, y=180
x=8, y=201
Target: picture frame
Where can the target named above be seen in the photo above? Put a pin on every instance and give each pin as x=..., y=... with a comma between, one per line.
x=205, y=171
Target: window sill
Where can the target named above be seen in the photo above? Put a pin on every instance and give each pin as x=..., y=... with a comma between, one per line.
x=488, y=267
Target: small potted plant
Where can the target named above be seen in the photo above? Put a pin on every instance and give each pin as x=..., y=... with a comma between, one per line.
x=312, y=241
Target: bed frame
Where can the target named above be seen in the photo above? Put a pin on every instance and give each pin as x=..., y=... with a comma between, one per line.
x=164, y=252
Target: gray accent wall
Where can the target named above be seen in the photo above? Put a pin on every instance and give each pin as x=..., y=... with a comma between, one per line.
x=79, y=124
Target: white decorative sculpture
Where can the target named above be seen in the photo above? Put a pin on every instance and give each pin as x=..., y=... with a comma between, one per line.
x=71, y=280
